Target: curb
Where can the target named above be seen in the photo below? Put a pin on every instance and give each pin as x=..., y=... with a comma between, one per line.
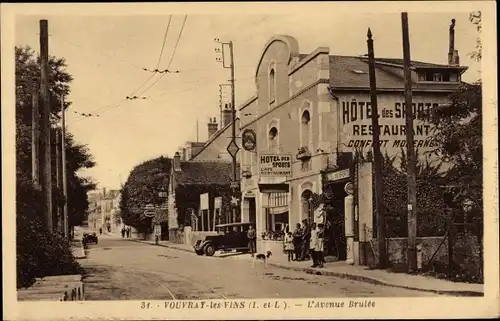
x=354, y=277
x=162, y=245
x=372, y=280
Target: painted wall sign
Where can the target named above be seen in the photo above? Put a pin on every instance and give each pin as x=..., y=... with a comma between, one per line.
x=336, y=176
x=249, y=140
x=273, y=165
x=355, y=119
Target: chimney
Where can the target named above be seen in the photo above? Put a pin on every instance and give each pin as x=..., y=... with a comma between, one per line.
x=104, y=192
x=212, y=127
x=177, y=162
x=451, y=51
x=227, y=115
x=456, y=58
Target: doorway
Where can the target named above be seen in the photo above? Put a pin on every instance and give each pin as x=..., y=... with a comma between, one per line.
x=336, y=244
x=252, y=212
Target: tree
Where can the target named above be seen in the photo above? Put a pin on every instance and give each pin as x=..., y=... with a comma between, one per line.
x=141, y=188
x=39, y=251
x=77, y=155
x=459, y=137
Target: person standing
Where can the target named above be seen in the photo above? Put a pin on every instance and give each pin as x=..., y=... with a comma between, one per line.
x=252, y=242
x=289, y=245
x=297, y=240
x=318, y=250
x=312, y=245
x=306, y=238
x=123, y=232
x=129, y=231
x=100, y=231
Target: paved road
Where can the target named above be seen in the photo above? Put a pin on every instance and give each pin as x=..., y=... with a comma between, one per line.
x=120, y=269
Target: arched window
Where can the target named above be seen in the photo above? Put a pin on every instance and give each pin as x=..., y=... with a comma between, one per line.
x=306, y=117
x=305, y=129
x=272, y=86
x=273, y=141
x=273, y=133
x=307, y=212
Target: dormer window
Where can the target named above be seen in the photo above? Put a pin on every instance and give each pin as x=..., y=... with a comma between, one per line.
x=443, y=76
x=437, y=77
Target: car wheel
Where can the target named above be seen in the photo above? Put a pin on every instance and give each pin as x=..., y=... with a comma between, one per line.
x=209, y=250
x=199, y=252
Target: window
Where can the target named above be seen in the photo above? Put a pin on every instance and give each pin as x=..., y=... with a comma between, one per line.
x=306, y=117
x=307, y=212
x=273, y=133
x=305, y=128
x=444, y=76
x=276, y=216
x=272, y=86
x=437, y=77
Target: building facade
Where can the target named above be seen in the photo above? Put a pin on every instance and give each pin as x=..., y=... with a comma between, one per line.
x=309, y=115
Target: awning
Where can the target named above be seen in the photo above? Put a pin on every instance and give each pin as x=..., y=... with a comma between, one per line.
x=270, y=188
x=278, y=210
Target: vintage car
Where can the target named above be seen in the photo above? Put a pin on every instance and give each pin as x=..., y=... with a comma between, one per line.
x=230, y=237
x=89, y=238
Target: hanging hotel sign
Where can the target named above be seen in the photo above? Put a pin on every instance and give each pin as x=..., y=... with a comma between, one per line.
x=355, y=120
x=248, y=140
x=275, y=165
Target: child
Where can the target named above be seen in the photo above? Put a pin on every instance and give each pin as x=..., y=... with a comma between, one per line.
x=289, y=245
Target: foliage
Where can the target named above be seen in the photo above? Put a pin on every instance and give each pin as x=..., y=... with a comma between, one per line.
x=142, y=188
x=459, y=137
x=38, y=252
x=77, y=155
x=431, y=220
x=475, y=18
x=187, y=196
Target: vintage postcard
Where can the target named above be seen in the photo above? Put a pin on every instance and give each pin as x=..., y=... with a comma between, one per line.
x=278, y=160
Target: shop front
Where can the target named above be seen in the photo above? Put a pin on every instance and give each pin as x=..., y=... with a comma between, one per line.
x=338, y=209
x=274, y=216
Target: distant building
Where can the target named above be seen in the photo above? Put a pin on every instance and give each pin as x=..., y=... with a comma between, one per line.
x=110, y=210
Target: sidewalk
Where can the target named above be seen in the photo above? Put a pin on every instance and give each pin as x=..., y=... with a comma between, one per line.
x=358, y=273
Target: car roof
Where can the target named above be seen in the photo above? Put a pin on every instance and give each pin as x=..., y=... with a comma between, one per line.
x=234, y=224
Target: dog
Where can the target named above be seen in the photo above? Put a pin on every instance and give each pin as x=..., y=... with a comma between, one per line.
x=262, y=257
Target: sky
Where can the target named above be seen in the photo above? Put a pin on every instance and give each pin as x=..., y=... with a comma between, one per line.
x=106, y=56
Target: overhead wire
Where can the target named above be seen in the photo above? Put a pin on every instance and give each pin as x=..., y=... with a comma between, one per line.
x=131, y=95
x=164, y=41
x=264, y=74
x=171, y=57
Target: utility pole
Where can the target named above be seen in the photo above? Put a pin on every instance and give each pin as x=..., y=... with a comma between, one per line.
x=64, y=178
x=232, y=147
x=35, y=139
x=45, y=128
x=411, y=163
x=58, y=181
x=377, y=157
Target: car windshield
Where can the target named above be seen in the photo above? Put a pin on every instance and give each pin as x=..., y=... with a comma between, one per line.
x=234, y=228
